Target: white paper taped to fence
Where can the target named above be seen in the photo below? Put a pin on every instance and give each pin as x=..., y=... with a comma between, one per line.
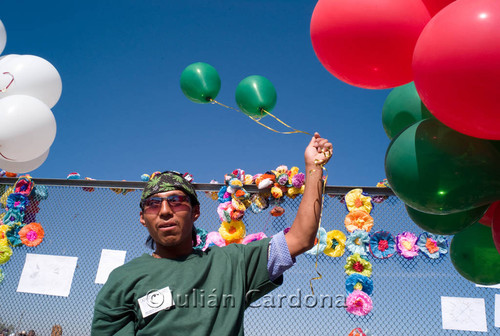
x=47, y=274
x=110, y=259
x=463, y=313
x=497, y=310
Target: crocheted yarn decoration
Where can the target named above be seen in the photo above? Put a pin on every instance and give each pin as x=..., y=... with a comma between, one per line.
x=232, y=231
x=253, y=237
x=5, y=254
x=13, y=234
x=31, y=234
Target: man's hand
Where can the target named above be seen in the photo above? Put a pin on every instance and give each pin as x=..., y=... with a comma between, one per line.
x=319, y=151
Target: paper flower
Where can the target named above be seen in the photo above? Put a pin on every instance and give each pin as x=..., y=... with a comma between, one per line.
x=319, y=244
x=214, y=238
x=358, y=282
x=13, y=234
x=13, y=216
x=298, y=180
x=355, y=200
x=232, y=231
x=17, y=201
x=5, y=254
x=432, y=245
x=382, y=244
x=358, y=220
x=31, y=234
x=277, y=211
x=335, y=243
x=358, y=303
x=358, y=264
x=201, y=239
x=23, y=185
x=357, y=242
x=253, y=237
x=3, y=237
x=357, y=332
x=259, y=203
x=406, y=245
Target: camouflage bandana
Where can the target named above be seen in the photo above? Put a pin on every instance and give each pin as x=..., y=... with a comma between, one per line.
x=168, y=181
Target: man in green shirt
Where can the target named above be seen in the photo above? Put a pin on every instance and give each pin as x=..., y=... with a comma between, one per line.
x=182, y=291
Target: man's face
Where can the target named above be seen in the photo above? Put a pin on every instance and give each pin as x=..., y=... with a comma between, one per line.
x=170, y=225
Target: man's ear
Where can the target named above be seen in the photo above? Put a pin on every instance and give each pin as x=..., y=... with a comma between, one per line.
x=195, y=214
x=141, y=219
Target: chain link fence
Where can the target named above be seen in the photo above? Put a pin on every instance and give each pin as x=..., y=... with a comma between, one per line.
x=78, y=223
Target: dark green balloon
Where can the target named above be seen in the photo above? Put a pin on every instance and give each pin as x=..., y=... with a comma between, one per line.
x=200, y=82
x=446, y=224
x=255, y=94
x=437, y=170
x=475, y=256
x=402, y=108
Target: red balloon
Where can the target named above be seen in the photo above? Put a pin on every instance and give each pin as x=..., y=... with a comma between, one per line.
x=434, y=6
x=487, y=218
x=456, y=67
x=368, y=43
x=495, y=227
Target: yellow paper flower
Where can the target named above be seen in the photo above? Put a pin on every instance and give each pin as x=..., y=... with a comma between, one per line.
x=335, y=243
x=355, y=200
x=232, y=231
x=358, y=220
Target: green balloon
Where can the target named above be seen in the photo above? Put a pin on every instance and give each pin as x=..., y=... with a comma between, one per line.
x=402, y=108
x=437, y=170
x=255, y=95
x=474, y=255
x=200, y=82
x=446, y=224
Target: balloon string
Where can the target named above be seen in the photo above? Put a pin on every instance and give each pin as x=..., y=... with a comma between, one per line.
x=280, y=121
x=320, y=163
x=213, y=101
x=10, y=83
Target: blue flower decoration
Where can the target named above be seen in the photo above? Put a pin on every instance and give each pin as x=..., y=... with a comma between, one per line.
x=359, y=282
x=17, y=201
x=12, y=216
x=432, y=245
x=320, y=245
x=357, y=242
x=13, y=234
x=382, y=244
x=201, y=238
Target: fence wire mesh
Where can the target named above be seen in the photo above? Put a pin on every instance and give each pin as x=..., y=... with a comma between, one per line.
x=406, y=297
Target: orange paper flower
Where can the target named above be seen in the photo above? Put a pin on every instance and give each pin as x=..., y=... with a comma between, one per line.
x=31, y=234
x=358, y=220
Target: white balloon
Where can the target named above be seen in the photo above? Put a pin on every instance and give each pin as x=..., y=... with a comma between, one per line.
x=23, y=167
x=3, y=37
x=27, y=128
x=32, y=76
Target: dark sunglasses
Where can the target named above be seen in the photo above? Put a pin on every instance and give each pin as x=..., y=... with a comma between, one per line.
x=175, y=202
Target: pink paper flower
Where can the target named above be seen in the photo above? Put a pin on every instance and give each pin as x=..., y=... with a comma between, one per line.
x=359, y=303
x=253, y=237
x=407, y=245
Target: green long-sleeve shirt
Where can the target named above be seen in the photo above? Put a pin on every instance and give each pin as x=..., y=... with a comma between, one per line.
x=210, y=291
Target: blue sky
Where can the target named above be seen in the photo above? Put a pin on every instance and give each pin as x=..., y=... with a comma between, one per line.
x=122, y=113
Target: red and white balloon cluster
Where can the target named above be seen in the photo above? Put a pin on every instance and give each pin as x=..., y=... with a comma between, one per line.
x=450, y=49
x=29, y=87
